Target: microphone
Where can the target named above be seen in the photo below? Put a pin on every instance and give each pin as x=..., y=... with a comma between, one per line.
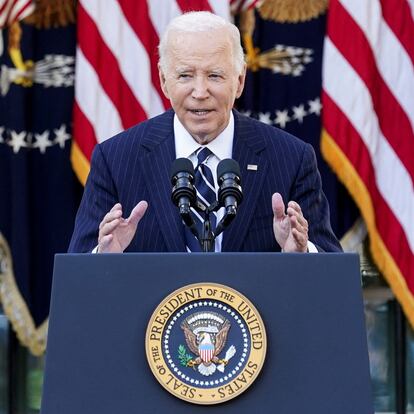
x=230, y=192
x=183, y=193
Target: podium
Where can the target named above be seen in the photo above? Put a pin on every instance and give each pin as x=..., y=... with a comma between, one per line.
x=311, y=306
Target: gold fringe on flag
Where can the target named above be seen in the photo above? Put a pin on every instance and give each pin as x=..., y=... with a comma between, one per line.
x=80, y=163
x=292, y=11
x=15, y=307
x=52, y=13
x=382, y=257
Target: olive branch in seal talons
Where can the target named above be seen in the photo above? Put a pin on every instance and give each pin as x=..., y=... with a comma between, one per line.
x=183, y=356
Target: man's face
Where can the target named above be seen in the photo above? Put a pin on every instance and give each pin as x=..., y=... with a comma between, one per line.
x=201, y=82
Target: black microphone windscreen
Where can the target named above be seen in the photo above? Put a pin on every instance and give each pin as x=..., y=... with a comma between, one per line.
x=228, y=166
x=181, y=165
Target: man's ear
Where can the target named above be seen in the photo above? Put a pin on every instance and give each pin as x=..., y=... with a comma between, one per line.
x=163, y=81
x=241, y=79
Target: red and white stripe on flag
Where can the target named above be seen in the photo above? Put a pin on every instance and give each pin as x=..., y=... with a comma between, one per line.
x=13, y=10
x=206, y=352
x=116, y=84
x=368, y=119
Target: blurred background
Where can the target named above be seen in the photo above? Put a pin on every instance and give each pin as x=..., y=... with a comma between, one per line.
x=337, y=74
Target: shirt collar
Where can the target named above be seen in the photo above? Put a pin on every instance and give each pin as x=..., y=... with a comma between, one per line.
x=221, y=146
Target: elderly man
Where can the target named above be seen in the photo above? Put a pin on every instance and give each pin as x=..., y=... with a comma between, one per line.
x=127, y=200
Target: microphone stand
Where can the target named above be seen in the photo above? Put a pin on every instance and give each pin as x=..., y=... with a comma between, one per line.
x=208, y=237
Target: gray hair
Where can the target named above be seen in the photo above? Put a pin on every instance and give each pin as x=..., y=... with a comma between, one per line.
x=201, y=21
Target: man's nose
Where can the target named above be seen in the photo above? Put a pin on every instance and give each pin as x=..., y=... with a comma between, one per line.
x=200, y=88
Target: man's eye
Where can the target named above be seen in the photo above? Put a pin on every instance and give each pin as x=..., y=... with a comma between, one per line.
x=184, y=76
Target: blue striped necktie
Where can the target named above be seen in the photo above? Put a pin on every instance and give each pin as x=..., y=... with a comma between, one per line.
x=206, y=194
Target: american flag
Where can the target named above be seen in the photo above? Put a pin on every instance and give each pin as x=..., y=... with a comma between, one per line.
x=368, y=116
x=13, y=10
x=117, y=82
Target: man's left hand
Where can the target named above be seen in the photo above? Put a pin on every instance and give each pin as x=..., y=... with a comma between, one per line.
x=290, y=227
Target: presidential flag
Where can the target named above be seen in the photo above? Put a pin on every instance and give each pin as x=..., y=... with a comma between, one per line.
x=39, y=192
x=117, y=83
x=283, y=41
x=368, y=120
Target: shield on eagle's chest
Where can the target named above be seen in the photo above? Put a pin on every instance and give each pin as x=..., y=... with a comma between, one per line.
x=206, y=352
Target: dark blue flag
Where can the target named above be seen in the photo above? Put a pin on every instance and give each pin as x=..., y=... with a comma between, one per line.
x=283, y=86
x=39, y=193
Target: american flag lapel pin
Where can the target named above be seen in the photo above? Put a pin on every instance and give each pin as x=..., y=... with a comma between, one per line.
x=251, y=167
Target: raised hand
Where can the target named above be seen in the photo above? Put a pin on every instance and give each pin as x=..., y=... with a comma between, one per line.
x=290, y=227
x=116, y=232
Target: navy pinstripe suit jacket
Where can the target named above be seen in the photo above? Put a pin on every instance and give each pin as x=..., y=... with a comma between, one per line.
x=135, y=165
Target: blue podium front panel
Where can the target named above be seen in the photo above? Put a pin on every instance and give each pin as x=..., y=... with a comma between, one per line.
x=311, y=306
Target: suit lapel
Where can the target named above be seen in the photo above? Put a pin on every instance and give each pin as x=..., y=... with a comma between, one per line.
x=248, y=148
x=159, y=142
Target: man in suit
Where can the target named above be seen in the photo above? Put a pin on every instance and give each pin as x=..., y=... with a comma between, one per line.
x=127, y=200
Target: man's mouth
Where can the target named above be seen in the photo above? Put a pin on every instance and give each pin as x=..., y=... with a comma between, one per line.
x=200, y=112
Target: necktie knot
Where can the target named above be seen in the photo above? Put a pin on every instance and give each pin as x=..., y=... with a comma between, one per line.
x=202, y=155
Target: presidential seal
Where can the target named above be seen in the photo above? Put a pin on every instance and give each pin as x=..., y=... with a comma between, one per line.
x=206, y=343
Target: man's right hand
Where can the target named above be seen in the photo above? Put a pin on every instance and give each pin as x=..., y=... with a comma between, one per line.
x=116, y=232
